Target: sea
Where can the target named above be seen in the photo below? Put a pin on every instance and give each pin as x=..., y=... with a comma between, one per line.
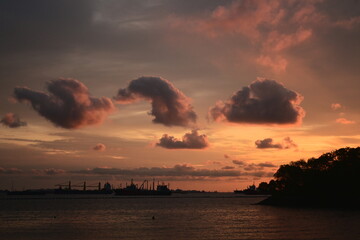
x=179, y=216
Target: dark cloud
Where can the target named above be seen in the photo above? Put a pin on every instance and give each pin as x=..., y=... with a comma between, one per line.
x=214, y=162
x=269, y=143
x=239, y=162
x=258, y=166
x=253, y=167
x=228, y=167
x=11, y=120
x=169, y=105
x=189, y=141
x=263, y=102
x=99, y=147
x=266, y=164
x=69, y=104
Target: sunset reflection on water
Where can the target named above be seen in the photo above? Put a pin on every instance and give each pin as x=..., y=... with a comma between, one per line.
x=188, y=216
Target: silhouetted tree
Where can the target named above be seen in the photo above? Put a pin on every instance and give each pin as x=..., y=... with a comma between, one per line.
x=333, y=173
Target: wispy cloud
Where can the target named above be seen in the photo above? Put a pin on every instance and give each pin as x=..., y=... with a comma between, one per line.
x=272, y=27
x=336, y=106
x=344, y=121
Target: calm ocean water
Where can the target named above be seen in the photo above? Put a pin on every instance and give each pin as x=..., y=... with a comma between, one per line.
x=183, y=216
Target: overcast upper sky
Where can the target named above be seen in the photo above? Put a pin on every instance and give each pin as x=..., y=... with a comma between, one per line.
x=203, y=94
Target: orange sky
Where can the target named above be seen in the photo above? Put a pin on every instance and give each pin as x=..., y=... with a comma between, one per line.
x=211, y=95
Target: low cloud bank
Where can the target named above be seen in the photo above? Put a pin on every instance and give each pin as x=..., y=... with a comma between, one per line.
x=179, y=170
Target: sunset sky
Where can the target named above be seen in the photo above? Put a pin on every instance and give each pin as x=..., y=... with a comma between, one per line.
x=202, y=94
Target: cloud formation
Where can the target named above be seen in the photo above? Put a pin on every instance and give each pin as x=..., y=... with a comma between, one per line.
x=274, y=28
x=170, y=106
x=239, y=162
x=48, y=172
x=179, y=170
x=99, y=147
x=249, y=167
x=32, y=172
x=271, y=26
x=11, y=120
x=344, y=121
x=68, y=103
x=263, y=102
x=336, y=106
x=228, y=167
x=258, y=166
x=269, y=143
x=10, y=171
x=189, y=141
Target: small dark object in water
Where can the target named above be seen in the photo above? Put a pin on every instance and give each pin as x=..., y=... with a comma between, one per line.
x=153, y=217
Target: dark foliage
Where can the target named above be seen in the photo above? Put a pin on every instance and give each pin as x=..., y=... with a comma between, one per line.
x=332, y=175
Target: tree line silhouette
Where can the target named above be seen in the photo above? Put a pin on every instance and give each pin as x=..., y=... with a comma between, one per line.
x=331, y=179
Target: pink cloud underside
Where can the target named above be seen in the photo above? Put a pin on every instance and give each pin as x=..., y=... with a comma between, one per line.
x=344, y=121
x=272, y=27
x=11, y=120
x=336, y=106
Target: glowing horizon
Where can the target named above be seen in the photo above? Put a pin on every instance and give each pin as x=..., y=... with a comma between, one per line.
x=211, y=96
